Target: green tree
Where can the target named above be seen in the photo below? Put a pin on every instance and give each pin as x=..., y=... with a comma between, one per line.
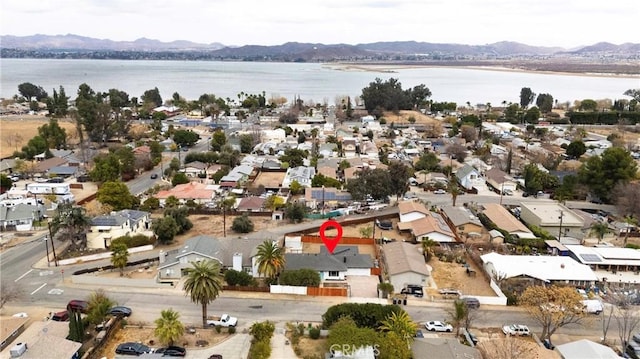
x=526, y=97
x=185, y=138
x=273, y=202
x=427, y=248
x=76, y=326
x=459, y=314
x=241, y=278
x=294, y=157
x=179, y=178
x=218, y=139
x=588, y=105
x=602, y=173
x=116, y=194
x=544, y=102
x=401, y=324
x=295, y=187
x=376, y=183
x=599, y=229
x=99, y=305
x=58, y=103
x=246, y=143
x=576, y=149
x=53, y=134
x=150, y=204
x=5, y=182
x=295, y=212
x=399, y=175
x=453, y=189
x=181, y=216
x=242, y=224
x=169, y=328
x=427, y=162
x=119, y=255
x=270, y=259
x=346, y=331
x=30, y=91
x=368, y=315
x=151, y=98
x=71, y=223
x=532, y=115
x=165, y=229
x=107, y=168
x=203, y=284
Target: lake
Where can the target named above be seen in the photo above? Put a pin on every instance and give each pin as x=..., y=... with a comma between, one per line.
x=308, y=81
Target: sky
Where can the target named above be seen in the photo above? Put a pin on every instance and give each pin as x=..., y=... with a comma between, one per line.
x=563, y=23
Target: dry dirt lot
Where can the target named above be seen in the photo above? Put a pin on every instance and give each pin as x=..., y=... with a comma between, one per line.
x=16, y=131
x=145, y=335
x=454, y=275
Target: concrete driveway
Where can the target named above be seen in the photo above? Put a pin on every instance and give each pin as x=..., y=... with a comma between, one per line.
x=364, y=287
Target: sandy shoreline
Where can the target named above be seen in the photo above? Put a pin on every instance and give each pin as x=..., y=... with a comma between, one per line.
x=393, y=68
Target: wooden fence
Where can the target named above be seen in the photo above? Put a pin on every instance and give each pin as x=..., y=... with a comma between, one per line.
x=245, y=288
x=326, y=292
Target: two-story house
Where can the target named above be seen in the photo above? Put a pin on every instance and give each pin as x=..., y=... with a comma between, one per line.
x=127, y=222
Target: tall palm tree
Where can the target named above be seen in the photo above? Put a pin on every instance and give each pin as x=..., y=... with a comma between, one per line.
x=400, y=324
x=453, y=189
x=203, y=284
x=169, y=328
x=270, y=259
x=459, y=314
x=427, y=248
x=119, y=255
x=599, y=229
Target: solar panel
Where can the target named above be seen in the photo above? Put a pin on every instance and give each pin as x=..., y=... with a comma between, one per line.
x=590, y=258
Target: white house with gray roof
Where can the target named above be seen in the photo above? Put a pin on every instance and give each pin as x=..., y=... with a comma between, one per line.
x=345, y=261
x=19, y=217
x=469, y=177
x=302, y=174
x=231, y=253
x=127, y=222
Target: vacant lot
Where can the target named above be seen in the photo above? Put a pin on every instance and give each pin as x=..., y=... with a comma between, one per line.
x=454, y=275
x=18, y=130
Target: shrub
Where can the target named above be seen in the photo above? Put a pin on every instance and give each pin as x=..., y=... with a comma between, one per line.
x=233, y=277
x=135, y=241
x=242, y=224
x=314, y=333
x=262, y=330
x=260, y=350
x=218, y=329
x=232, y=330
x=369, y=315
x=300, y=277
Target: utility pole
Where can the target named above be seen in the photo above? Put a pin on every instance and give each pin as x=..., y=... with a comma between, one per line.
x=560, y=230
x=46, y=246
x=53, y=248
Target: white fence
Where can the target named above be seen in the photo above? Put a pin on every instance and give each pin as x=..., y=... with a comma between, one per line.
x=95, y=257
x=288, y=289
x=501, y=299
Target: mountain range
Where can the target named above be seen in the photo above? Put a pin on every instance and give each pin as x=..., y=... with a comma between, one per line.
x=294, y=51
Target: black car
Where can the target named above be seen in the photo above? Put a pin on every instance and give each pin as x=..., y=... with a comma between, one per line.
x=413, y=289
x=131, y=348
x=154, y=176
x=386, y=225
x=120, y=311
x=172, y=351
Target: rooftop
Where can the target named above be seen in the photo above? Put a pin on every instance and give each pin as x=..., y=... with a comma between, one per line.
x=402, y=257
x=505, y=220
x=549, y=214
x=545, y=268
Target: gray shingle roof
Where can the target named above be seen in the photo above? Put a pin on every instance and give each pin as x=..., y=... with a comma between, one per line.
x=345, y=257
x=465, y=171
x=460, y=216
x=222, y=248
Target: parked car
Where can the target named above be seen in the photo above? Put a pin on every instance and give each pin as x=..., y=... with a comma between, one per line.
x=62, y=316
x=215, y=356
x=172, y=351
x=507, y=192
x=419, y=333
x=471, y=302
x=131, y=348
x=154, y=176
x=78, y=305
x=547, y=344
x=438, y=326
x=439, y=191
x=413, y=289
x=516, y=329
x=120, y=311
x=386, y=225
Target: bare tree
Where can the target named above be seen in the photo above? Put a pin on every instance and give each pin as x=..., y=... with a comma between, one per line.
x=506, y=348
x=607, y=315
x=9, y=292
x=628, y=320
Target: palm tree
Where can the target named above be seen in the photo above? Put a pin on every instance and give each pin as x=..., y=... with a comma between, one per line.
x=459, y=314
x=169, y=328
x=71, y=223
x=119, y=255
x=400, y=324
x=599, y=229
x=452, y=187
x=270, y=259
x=203, y=284
x=427, y=248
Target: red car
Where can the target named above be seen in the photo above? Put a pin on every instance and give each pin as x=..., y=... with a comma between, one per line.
x=78, y=305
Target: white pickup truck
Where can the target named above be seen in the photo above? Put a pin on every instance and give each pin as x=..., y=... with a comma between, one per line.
x=225, y=320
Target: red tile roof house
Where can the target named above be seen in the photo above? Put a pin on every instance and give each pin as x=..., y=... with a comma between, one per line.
x=198, y=192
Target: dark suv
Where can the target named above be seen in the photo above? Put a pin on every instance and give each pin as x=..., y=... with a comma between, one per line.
x=131, y=348
x=471, y=302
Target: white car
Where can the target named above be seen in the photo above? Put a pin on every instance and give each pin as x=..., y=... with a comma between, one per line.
x=516, y=329
x=439, y=191
x=437, y=326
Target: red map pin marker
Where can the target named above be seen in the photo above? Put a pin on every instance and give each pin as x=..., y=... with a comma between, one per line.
x=330, y=242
